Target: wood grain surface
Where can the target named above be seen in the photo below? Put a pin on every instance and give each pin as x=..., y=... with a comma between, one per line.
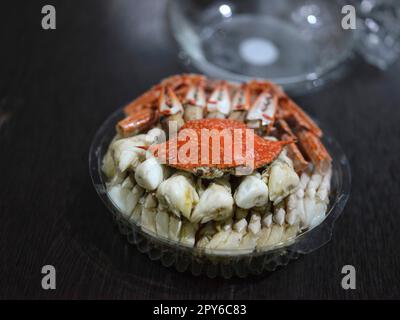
x=57, y=87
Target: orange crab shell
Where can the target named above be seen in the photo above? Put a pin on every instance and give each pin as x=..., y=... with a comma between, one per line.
x=255, y=153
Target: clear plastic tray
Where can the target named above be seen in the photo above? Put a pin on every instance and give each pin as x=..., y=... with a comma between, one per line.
x=221, y=263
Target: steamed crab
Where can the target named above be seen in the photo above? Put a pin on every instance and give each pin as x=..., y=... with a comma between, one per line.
x=243, y=166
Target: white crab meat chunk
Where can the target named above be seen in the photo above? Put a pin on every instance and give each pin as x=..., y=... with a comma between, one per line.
x=108, y=166
x=188, y=234
x=292, y=207
x=216, y=203
x=174, y=229
x=178, y=194
x=267, y=220
x=218, y=239
x=315, y=210
x=149, y=213
x=248, y=242
x=251, y=192
x=231, y=243
x=206, y=233
x=127, y=153
x=162, y=223
x=279, y=214
x=314, y=207
x=282, y=180
x=263, y=237
x=275, y=236
x=149, y=174
x=136, y=214
x=240, y=226
x=254, y=224
x=155, y=136
x=324, y=188
x=290, y=232
x=125, y=196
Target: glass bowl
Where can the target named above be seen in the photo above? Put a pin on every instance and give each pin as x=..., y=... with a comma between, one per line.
x=220, y=263
x=299, y=45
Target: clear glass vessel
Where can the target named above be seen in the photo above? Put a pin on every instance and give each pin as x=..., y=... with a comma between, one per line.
x=298, y=44
x=220, y=263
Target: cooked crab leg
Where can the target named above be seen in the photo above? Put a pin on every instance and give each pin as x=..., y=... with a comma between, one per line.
x=138, y=120
x=240, y=103
x=195, y=101
x=170, y=107
x=293, y=114
x=315, y=150
x=145, y=101
x=299, y=163
x=262, y=112
x=219, y=102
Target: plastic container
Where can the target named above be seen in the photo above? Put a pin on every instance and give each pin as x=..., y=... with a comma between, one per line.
x=221, y=264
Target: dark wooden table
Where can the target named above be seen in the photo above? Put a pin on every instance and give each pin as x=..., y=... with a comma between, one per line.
x=56, y=88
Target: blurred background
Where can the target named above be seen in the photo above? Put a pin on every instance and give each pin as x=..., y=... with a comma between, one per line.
x=58, y=86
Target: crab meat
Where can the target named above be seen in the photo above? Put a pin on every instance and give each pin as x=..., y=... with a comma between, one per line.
x=127, y=152
x=267, y=220
x=240, y=226
x=240, y=103
x=252, y=192
x=174, y=228
x=125, y=196
x=108, y=166
x=277, y=232
x=188, y=234
x=155, y=136
x=219, y=101
x=262, y=112
x=314, y=207
x=149, y=174
x=263, y=237
x=169, y=103
x=162, y=223
x=279, y=214
x=216, y=203
x=282, y=180
x=178, y=194
x=195, y=102
x=255, y=224
x=136, y=214
x=148, y=216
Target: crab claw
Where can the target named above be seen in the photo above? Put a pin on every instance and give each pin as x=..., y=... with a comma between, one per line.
x=241, y=99
x=219, y=100
x=168, y=103
x=195, y=95
x=263, y=110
